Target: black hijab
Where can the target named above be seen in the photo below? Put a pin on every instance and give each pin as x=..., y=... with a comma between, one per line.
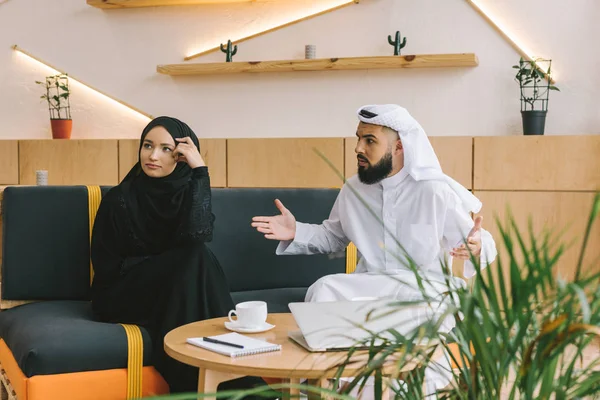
x=159, y=207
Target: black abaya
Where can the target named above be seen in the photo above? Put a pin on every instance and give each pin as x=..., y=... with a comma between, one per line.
x=157, y=291
x=151, y=266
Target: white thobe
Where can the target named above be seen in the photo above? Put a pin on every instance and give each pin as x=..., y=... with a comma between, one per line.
x=387, y=221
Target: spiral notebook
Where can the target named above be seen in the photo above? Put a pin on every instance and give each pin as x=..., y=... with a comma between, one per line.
x=251, y=345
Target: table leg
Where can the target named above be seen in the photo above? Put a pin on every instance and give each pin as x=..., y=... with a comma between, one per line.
x=385, y=385
x=320, y=383
x=385, y=394
x=291, y=393
x=208, y=381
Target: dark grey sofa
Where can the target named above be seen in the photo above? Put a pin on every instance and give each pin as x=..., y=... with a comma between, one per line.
x=46, y=257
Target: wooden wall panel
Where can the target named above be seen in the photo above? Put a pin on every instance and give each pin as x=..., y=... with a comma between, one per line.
x=455, y=155
x=213, y=151
x=284, y=162
x=128, y=155
x=558, y=211
x=9, y=162
x=69, y=162
x=537, y=163
x=1, y=239
x=350, y=161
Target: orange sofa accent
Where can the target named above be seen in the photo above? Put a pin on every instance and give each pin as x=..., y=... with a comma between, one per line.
x=93, y=385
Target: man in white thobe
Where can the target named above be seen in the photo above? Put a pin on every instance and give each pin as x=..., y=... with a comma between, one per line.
x=399, y=206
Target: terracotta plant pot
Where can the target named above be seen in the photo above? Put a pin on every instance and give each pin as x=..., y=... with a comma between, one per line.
x=61, y=128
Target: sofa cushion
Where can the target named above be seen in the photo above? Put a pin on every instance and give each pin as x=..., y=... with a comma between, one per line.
x=56, y=337
x=277, y=299
x=248, y=259
x=41, y=260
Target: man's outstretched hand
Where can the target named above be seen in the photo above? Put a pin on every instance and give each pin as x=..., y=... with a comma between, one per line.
x=278, y=227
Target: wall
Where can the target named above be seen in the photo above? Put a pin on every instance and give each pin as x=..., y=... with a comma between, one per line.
x=118, y=50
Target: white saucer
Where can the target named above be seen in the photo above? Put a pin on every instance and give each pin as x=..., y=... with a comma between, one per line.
x=232, y=326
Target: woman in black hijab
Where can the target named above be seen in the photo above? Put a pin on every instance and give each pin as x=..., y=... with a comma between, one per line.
x=151, y=265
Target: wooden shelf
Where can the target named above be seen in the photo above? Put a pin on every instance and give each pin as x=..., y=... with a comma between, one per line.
x=324, y=64
x=156, y=3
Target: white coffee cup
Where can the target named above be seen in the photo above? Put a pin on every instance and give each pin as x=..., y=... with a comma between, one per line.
x=249, y=314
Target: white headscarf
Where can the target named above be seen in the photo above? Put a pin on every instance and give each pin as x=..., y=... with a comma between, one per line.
x=420, y=160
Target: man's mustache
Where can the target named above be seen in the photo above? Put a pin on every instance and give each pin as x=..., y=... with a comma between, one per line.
x=362, y=159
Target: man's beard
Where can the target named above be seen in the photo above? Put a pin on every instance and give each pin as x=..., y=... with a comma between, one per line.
x=373, y=174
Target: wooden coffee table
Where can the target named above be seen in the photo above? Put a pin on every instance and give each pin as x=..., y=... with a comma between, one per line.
x=291, y=364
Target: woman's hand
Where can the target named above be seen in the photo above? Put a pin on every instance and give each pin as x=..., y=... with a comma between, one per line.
x=186, y=151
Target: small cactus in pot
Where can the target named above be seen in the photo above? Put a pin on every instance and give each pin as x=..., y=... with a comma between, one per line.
x=398, y=43
x=230, y=51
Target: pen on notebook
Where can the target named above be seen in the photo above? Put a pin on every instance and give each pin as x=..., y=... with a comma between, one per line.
x=211, y=340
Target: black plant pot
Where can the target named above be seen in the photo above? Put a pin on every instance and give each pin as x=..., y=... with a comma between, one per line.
x=534, y=122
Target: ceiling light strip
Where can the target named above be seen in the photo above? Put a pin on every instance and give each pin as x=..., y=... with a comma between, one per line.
x=506, y=36
x=190, y=57
x=58, y=71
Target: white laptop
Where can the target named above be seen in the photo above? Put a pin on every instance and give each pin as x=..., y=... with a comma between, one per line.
x=340, y=325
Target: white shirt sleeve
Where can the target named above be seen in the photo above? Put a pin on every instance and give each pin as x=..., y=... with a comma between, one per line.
x=457, y=226
x=325, y=238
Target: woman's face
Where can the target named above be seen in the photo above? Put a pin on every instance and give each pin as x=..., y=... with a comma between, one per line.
x=156, y=155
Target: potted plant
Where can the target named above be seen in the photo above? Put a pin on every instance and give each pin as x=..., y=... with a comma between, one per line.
x=534, y=93
x=57, y=96
x=521, y=331
x=518, y=336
